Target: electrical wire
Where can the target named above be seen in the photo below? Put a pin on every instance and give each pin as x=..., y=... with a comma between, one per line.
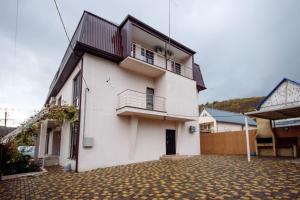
x=63, y=24
x=67, y=35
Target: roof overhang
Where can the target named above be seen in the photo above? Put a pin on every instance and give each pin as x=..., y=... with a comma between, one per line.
x=286, y=112
x=156, y=33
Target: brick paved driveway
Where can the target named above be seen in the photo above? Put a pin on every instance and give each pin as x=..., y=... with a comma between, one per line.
x=220, y=177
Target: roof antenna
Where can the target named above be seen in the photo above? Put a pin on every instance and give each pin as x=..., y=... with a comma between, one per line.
x=169, y=49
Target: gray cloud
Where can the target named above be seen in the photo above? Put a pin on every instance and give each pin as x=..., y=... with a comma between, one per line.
x=244, y=47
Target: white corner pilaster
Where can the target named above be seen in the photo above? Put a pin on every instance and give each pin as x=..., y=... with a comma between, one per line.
x=42, y=138
x=134, y=122
x=179, y=126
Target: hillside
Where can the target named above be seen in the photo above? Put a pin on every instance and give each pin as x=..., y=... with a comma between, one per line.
x=235, y=105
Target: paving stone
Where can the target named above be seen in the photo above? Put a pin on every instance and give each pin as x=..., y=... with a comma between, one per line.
x=205, y=177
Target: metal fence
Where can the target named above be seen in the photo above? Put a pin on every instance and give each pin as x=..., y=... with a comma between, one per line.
x=159, y=60
x=135, y=99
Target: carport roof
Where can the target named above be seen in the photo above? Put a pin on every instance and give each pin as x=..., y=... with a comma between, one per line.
x=292, y=111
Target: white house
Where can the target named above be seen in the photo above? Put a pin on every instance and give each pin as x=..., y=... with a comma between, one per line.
x=136, y=91
x=214, y=120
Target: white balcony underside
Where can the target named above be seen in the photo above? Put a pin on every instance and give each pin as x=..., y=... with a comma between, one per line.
x=144, y=113
x=141, y=67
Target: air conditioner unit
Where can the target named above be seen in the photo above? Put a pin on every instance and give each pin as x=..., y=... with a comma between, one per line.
x=169, y=53
x=159, y=49
x=192, y=129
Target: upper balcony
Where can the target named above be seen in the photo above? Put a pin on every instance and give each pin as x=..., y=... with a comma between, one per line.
x=150, y=53
x=153, y=63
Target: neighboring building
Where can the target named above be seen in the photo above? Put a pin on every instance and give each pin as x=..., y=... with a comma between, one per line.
x=278, y=121
x=214, y=121
x=5, y=130
x=137, y=95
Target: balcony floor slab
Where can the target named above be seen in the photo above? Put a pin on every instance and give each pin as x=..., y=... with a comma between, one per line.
x=141, y=67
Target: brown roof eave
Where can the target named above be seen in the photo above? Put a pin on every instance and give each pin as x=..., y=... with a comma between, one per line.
x=80, y=48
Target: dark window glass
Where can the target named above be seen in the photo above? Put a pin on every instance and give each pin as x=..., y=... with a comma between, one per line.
x=47, y=141
x=76, y=90
x=149, y=57
x=177, y=68
x=74, y=136
x=59, y=101
x=143, y=52
x=150, y=98
x=133, y=50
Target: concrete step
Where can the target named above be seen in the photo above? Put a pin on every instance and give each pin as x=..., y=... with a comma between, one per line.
x=174, y=157
x=51, y=160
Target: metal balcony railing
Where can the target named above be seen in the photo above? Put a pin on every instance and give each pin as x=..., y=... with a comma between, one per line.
x=135, y=99
x=159, y=60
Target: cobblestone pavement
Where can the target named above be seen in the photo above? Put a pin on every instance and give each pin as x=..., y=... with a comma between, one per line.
x=206, y=177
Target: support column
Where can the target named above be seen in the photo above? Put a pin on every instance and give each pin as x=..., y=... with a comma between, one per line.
x=179, y=126
x=36, y=147
x=247, y=139
x=42, y=138
x=134, y=122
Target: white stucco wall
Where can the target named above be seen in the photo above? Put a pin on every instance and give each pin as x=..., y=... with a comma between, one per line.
x=181, y=95
x=112, y=133
x=66, y=93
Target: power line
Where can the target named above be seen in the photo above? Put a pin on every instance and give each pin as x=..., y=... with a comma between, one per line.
x=66, y=33
x=63, y=24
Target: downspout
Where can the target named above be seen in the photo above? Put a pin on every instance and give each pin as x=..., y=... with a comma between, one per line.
x=79, y=117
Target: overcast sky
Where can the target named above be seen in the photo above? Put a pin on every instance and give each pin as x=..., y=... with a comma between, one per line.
x=244, y=47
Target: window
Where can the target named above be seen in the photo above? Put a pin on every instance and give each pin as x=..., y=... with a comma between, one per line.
x=143, y=52
x=150, y=98
x=133, y=49
x=149, y=57
x=76, y=90
x=59, y=101
x=206, y=128
x=74, y=135
x=176, y=67
x=47, y=141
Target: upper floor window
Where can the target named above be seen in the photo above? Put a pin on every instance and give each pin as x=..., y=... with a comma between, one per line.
x=142, y=51
x=133, y=50
x=59, y=101
x=76, y=90
x=149, y=57
x=176, y=67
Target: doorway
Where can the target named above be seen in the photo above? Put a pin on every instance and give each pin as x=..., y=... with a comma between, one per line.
x=150, y=98
x=170, y=142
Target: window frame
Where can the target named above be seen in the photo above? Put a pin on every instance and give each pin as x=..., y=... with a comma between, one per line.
x=74, y=131
x=59, y=101
x=149, y=57
x=76, y=90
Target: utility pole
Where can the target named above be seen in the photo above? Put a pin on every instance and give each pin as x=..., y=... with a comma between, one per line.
x=6, y=115
x=5, y=118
